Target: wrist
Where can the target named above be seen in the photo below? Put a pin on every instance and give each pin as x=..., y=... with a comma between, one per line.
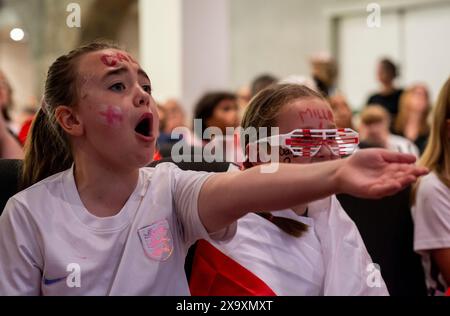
x=338, y=175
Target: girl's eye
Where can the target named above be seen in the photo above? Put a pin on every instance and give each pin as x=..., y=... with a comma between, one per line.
x=147, y=88
x=118, y=87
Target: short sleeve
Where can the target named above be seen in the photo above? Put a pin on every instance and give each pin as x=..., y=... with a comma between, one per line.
x=432, y=215
x=186, y=191
x=20, y=255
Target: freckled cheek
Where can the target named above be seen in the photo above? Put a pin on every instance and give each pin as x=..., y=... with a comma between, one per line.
x=301, y=160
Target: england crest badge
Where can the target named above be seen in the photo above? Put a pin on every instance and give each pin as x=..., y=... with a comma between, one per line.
x=157, y=240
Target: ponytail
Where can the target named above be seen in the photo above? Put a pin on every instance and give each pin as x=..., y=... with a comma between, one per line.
x=289, y=226
x=46, y=151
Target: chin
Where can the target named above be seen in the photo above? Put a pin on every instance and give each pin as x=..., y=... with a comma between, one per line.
x=145, y=161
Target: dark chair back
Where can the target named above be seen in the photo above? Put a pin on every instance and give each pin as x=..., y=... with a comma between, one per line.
x=386, y=227
x=10, y=171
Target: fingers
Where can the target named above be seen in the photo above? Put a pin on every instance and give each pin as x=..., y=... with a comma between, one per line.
x=406, y=180
x=391, y=156
x=420, y=171
x=400, y=169
x=399, y=180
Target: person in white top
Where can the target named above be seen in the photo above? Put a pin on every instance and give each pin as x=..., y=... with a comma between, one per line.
x=374, y=131
x=431, y=201
x=307, y=249
x=93, y=221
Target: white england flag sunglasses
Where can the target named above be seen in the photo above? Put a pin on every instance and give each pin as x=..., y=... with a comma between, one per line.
x=307, y=142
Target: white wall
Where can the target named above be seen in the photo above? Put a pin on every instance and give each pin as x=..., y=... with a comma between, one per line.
x=161, y=45
x=275, y=36
x=206, y=48
x=16, y=63
x=413, y=33
x=185, y=47
x=427, y=47
x=280, y=36
x=360, y=49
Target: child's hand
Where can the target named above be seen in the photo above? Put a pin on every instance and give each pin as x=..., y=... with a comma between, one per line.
x=374, y=173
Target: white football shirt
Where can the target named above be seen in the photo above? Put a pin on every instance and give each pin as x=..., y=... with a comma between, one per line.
x=431, y=215
x=51, y=245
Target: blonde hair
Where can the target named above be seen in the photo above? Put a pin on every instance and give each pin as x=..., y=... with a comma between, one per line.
x=264, y=108
x=47, y=148
x=374, y=114
x=436, y=156
x=263, y=111
x=404, y=111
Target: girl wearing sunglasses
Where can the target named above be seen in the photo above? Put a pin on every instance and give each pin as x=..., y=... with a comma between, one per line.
x=312, y=249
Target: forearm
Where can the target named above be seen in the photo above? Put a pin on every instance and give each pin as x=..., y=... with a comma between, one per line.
x=291, y=184
x=235, y=194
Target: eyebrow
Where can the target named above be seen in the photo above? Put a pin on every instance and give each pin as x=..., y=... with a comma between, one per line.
x=115, y=72
x=122, y=70
x=143, y=73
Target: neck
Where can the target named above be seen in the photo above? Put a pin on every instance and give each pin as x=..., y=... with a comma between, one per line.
x=387, y=88
x=300, y=210
x=103, y=189
x=412, y=126
x=414, y=117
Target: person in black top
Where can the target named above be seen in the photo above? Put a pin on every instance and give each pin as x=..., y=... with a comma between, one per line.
x=389, y=96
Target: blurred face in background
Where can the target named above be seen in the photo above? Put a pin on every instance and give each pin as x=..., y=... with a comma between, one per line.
x=244, y=95
x=341, y=110
x=174, y=116
x=225, y=114
x=375, y=133
x=384, y=75
x=5, y=92
x=418, y=99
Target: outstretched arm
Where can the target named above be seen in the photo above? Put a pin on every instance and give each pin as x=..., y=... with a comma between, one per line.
x=370, y=173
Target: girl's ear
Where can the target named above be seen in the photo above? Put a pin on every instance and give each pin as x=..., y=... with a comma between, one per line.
x=68, y=120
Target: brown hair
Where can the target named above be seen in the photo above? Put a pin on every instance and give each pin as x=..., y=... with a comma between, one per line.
x=404, y=111
x=436, y=156
x=263, y=111
x=47, y=148
x=261, y=82
x=389, y=67
x=204, y=109
x=373, y=114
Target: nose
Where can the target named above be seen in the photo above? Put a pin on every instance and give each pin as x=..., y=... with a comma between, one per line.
x=141, y=98
x=325, y=152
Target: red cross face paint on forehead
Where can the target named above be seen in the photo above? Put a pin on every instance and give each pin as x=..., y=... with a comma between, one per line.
x=114, y=59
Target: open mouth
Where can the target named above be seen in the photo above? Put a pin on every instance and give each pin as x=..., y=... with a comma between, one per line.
x=144, y=127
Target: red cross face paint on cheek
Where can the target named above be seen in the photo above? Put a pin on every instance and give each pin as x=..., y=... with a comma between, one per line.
x=112, y=115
